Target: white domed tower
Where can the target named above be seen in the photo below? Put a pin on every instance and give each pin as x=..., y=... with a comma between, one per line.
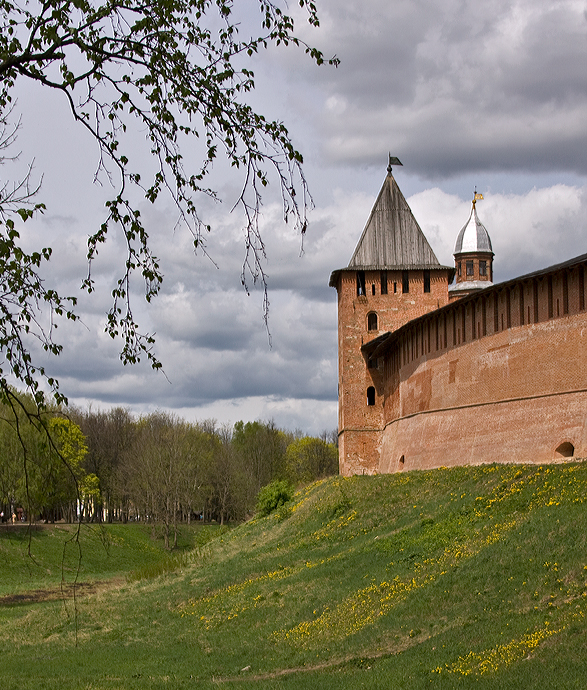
x=473, y=257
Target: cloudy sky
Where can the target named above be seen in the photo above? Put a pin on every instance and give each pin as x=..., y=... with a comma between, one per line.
x=489, y=95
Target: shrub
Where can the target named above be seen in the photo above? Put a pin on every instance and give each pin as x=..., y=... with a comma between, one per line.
x=273, y=496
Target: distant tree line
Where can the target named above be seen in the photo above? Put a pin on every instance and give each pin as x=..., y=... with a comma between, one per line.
x=113, y=466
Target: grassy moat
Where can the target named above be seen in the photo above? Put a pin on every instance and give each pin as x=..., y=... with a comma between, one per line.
x=454, y=578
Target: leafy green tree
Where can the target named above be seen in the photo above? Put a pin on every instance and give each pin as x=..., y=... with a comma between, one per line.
x=23, y=451
x=201, y=449
x=273, y=496
x=59, y=470
x=109, y=435
x=259, y=458
x=168, y=470
x=177, y=70
x=11, y=466
x=41, y=462
x=308, y=459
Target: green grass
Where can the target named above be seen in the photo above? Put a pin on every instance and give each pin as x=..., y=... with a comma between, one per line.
x=460, y=578
x=52, y=555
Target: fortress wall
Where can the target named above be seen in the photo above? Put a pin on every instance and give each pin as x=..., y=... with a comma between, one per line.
x=501, y=376
x=519, y=431
x=525, y=361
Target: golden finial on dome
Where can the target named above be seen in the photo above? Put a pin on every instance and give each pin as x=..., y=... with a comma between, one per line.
x=476, y=197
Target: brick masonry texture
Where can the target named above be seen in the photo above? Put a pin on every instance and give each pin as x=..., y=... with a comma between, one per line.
x=359, y=422
x=497, y=376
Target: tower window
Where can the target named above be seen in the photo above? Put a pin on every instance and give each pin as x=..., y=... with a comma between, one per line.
x=372, y=321
x=384, y=282
x=426, y=281
x=370, y=396
x=361, y=283
x=470, y=270
x=395, y=287
x=459, y=271
x=483, y=268
x=373, y=288
x=405, y=281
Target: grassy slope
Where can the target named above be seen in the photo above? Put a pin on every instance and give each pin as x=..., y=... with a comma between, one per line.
x=469, y=577
x=56, y=554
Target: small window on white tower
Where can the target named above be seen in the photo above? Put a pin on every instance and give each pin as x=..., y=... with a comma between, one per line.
x=470, y=270
x=483, y=268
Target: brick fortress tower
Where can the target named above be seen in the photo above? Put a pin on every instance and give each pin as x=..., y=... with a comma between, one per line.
x=392, y=278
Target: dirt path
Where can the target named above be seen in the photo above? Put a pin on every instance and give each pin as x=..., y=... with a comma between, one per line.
x=66, y=591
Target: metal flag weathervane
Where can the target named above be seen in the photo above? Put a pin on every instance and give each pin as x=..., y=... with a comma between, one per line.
x=476, y=196
x=392, y=161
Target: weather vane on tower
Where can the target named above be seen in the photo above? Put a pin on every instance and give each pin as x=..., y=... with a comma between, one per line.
x=476, y=196
x=392, y=161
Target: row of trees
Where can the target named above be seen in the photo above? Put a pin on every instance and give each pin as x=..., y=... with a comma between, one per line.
x=111, y=466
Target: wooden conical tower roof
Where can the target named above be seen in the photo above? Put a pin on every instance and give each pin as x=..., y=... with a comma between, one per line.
x=392, y=238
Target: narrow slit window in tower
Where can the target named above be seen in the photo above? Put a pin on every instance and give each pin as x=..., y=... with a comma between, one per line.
x=361, y=284
x=405, y=281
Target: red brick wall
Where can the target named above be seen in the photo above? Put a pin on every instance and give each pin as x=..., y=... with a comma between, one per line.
x=498, y=378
